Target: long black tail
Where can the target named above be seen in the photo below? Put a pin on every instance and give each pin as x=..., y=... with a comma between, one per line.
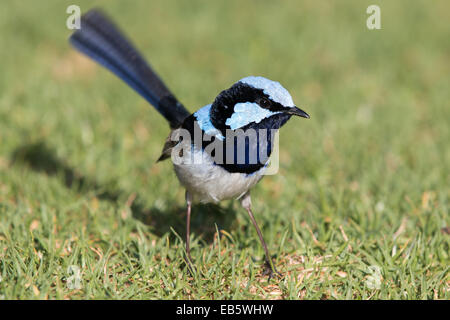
x=102, y=41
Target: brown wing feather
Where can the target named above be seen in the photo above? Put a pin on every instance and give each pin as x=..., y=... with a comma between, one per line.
x=167, y=149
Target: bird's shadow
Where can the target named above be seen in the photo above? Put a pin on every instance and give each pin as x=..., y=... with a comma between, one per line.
x=40, y=158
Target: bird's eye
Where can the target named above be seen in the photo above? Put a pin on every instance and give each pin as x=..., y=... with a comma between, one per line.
x=264, y=103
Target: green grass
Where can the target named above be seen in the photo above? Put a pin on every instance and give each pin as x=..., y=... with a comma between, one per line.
x=362, y=185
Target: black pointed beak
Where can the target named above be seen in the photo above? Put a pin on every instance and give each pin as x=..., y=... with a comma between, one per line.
x=297, y=112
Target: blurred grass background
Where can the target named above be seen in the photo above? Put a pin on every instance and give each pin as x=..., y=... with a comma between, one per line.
x=362, y=185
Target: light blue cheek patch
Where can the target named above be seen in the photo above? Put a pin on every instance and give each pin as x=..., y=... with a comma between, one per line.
x=247, y=112
x=205, y=124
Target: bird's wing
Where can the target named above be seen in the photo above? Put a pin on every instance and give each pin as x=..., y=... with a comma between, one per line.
x=167, y=149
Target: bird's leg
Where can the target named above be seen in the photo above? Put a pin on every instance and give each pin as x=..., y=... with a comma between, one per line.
x=270, y=269
x=188, y=231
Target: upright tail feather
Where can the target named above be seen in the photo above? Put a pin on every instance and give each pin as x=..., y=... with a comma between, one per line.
x=102, y=41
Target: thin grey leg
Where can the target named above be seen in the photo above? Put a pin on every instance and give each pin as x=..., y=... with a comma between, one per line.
x=246, y=202
x=188, y=230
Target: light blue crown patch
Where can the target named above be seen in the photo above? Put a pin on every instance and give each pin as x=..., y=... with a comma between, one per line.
x=274, y=90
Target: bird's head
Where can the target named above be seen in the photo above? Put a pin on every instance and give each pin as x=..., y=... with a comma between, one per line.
x=253, y=102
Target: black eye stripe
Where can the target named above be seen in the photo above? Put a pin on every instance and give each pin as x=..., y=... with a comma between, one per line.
x=223, y=106
x=264, y=102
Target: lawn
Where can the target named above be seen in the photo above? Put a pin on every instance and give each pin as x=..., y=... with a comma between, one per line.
x=358, y=210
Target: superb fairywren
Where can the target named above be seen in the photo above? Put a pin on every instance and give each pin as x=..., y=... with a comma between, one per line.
x=252, y=105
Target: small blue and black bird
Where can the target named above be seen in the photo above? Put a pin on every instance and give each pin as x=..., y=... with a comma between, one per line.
x=251, y=104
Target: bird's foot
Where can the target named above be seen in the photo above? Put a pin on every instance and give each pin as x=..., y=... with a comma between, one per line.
x=271, y=271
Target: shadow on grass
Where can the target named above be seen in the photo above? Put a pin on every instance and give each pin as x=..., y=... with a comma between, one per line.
x=40, y=158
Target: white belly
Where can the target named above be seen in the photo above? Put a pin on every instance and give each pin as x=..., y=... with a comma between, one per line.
x=208, y=182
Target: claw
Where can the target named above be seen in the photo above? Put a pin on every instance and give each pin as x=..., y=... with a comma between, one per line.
x=268, y=271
